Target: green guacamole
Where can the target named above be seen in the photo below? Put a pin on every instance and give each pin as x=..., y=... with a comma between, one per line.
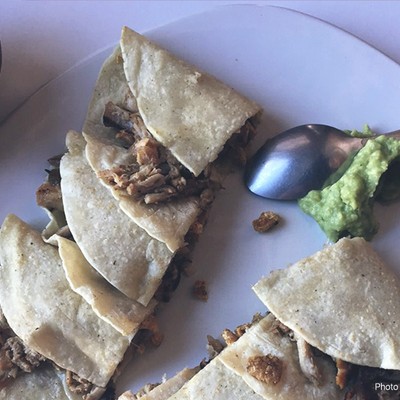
x=345, y=207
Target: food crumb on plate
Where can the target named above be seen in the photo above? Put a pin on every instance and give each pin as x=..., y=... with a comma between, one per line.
x=266, y=221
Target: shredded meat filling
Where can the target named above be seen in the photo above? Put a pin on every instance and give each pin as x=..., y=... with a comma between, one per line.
x=343, y=371
x=307, y=361
x=214, y=346
x=172, y=276
x=15, y=357
x=78, y=385
x=145, y=390
x=279, y=327
x=157, y=176
x=150, y=324
x=86, y=389
x=24, y=358
x=128, y=122
x=48, y=195
x=229, y=337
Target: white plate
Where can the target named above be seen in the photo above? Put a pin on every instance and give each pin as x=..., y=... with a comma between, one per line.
x=301, y=70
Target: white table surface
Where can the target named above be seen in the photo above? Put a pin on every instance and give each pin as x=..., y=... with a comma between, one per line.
x=42, y=39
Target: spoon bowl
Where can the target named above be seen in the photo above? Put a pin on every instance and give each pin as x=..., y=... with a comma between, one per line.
x=298, y=160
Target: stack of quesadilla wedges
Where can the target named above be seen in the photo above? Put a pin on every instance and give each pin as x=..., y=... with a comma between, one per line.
x=332, y=332
x=154, y=128
x=125, y=202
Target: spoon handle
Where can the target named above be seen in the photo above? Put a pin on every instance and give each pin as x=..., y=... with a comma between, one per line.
x=394, y=134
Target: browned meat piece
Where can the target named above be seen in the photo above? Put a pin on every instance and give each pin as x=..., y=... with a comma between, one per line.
x=241, y=329
x=343, y=371
x=229, y=336
x=147, y=151
x=280, y=328
x=266, y=221
x=267, y=369
x=49, y=196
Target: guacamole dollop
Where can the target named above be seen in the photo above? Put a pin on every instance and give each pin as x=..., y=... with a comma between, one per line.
x=345, y=207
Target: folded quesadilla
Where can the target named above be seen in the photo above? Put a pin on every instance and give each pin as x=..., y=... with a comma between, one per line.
x=123, y=313
x=155, y=127
x=47, y=316
x=124, y=201
x=122, y=252
x=26, y=374
x=44, y=383
x=345, y=302
x=163, y=390
x=263, y=363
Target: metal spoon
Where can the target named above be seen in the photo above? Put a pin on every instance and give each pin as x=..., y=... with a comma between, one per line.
x=296, y=161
